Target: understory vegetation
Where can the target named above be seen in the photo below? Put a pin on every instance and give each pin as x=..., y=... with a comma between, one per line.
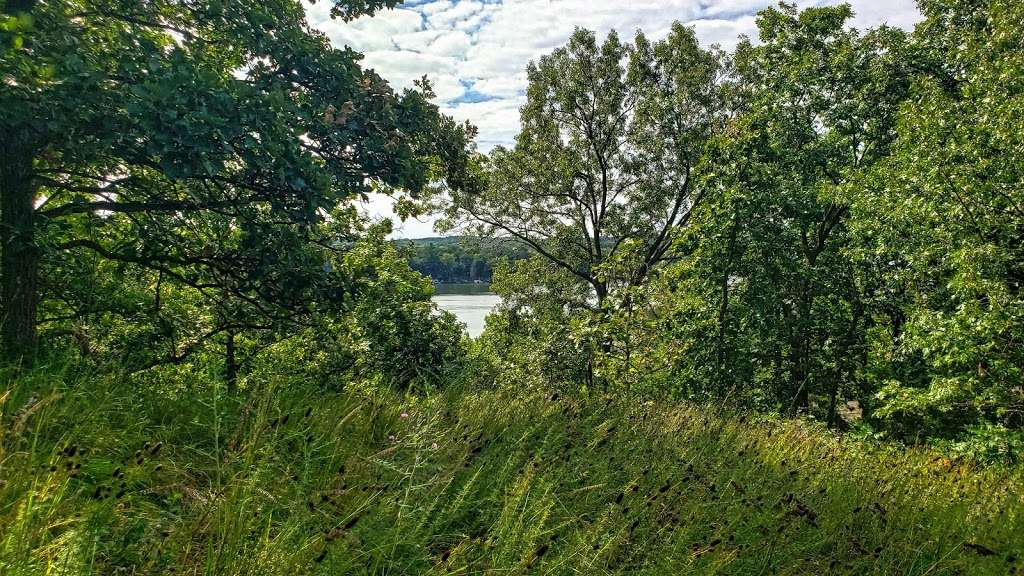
x=170, y=473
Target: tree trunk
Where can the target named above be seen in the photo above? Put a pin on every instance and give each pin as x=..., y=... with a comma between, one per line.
x=230, y=363
x=723, y=309
x=801, y=398
x=19, y=266
x=802, y=348
x=604, y=347
x=799, y=366
x=833, y=414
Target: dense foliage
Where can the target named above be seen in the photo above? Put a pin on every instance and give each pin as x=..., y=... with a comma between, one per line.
x=940, y=226
x=179, y=175
x=850, y=245
x=824, y=222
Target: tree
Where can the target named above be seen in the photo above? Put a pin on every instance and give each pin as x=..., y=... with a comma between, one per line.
x=770, y=305
x=946, y=214
x=603, y=168
x=603, y=175
x=386, y=329
x=206, y=142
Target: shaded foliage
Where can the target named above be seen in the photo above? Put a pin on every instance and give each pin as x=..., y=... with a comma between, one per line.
x=179, y=174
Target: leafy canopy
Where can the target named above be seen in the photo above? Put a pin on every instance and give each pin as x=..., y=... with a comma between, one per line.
x=218, y=144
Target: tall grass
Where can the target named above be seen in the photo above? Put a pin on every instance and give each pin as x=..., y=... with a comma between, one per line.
x=108, y=474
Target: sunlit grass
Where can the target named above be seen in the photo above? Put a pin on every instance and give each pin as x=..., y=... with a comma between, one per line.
x=101, y=474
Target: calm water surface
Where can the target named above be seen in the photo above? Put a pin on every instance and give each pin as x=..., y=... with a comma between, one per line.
x=470, y=303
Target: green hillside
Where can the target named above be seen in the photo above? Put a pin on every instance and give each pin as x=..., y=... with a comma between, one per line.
x=105, y=474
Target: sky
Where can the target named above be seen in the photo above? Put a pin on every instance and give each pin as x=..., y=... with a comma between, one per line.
x=475, y=52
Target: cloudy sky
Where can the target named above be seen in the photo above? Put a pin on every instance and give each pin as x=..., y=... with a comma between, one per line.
x=475, y=51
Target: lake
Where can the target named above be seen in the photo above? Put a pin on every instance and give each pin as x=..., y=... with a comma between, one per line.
x=470, y=303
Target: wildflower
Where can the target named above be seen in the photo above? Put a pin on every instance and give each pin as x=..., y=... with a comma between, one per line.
x=404, y=415
x=434, y=446
x=391, y=437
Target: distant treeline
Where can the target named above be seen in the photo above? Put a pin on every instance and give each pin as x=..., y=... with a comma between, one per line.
x=454, y=259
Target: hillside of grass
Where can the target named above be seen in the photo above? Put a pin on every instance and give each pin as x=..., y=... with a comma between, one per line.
x=168, y=474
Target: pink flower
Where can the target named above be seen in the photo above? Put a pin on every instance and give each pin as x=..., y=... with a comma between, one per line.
x=404, y=415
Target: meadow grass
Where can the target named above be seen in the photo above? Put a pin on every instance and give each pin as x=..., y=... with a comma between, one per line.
x=169, y=474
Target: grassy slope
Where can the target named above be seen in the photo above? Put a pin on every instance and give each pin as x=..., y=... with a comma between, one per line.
x=104, y=473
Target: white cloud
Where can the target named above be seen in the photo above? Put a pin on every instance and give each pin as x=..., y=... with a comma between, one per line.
x=381, y=206
x=475, y=51
x=403, y=67
x=507, y=86
x=416, y=41
x=435, y=7
x=724, y=33
x=497, y=119
x=364, y=34
x=448, y=17
x=454, y=44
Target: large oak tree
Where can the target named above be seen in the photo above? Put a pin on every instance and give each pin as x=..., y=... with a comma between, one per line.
x=213, y=142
